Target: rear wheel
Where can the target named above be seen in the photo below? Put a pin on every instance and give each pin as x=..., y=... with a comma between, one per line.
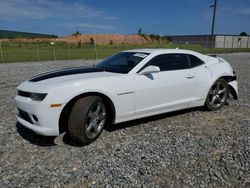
x=87, y=119
x=217, y=95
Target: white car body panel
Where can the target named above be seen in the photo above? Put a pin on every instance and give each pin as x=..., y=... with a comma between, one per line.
x=109, y=86
x=168, y=91
x=48, y=117
x=133, y=95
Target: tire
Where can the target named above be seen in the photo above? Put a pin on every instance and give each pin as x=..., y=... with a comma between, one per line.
x=218, y=95
x=87, y=119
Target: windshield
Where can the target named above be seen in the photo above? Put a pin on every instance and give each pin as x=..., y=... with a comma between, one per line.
x=122, y=62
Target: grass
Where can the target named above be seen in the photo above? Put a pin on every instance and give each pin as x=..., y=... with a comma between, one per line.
x=20, y=51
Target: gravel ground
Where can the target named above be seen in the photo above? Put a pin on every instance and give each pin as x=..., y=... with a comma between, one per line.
x=192, y=148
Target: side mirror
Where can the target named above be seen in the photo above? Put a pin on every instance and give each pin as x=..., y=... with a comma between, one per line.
x=150, y=69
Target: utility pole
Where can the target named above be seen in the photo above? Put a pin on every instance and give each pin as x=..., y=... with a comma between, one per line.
x=214, y=6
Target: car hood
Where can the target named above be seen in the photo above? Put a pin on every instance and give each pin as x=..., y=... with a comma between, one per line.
x=71, y=74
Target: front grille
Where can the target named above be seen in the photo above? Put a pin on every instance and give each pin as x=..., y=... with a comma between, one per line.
x=24, y=115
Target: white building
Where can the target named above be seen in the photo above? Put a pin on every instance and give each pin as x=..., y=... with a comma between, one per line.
x=218, y=41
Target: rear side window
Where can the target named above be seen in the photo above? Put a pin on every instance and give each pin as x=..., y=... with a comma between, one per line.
x=195, y=61
x=168, y=62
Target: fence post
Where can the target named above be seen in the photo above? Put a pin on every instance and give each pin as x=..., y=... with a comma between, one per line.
x=205, y=47
x=68, y=51
x=37, y=52
x=233, y=42
x=1, y=52
x=54, y=52
x=95, y=46
x=248, y=42
x=224, y=43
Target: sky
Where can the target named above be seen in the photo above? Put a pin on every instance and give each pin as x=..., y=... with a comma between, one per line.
x=164, y=17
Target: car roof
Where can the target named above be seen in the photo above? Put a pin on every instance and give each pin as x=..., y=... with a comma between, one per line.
x=162, y=51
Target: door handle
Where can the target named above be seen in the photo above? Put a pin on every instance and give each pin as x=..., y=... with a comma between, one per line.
x=189, y=76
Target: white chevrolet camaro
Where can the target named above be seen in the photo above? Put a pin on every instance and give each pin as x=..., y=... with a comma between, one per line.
x=129, y=85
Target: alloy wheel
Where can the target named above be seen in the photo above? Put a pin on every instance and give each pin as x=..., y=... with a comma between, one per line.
x=218, y=95
x=95, y=120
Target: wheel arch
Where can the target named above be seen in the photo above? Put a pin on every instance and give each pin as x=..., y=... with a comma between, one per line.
x=227, y=78
x=232, y=90
x=63, y=119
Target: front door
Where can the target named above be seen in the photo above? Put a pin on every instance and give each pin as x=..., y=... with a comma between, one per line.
x=172, y=87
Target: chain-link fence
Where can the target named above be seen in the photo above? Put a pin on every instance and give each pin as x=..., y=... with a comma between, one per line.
x=235, y=44
x=42, y=51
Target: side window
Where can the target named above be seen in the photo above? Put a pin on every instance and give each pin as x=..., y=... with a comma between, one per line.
x=176, y=61
x=195, y=61
x=158, y=61
x=168, y=62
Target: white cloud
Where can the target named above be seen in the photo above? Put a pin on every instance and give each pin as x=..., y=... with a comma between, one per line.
x=242, y=11
x=88, y=26
x=42, y=9
x=226, y=8
x=110, y=17
x=245, y=11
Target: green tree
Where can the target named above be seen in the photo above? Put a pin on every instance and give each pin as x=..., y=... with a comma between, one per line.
x=140, y=31
x=243, y=34
x=77, y=33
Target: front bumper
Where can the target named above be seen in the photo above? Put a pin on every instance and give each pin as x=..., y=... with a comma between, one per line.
x=46, y=121
x=233, y=86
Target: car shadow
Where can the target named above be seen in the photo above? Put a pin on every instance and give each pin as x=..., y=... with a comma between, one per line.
x=127, y=124
x=46, y=141
x=34, y=138
x=68, y=141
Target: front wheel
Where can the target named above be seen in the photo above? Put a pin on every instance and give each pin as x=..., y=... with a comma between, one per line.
x=217, y=95
x=87, y=119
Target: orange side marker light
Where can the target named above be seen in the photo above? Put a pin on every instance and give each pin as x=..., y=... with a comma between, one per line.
x=55, y=105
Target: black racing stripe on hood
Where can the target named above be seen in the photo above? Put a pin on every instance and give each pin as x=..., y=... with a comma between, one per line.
x=64, y=72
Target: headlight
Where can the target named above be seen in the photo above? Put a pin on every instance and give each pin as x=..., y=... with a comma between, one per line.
x=38, y=96
x=33, y=96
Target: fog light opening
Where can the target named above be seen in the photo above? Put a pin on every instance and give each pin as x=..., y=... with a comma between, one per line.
x=35, y=118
